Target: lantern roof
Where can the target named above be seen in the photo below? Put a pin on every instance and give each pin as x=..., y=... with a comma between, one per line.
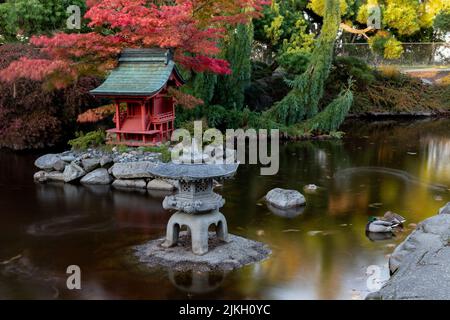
x=194, y=172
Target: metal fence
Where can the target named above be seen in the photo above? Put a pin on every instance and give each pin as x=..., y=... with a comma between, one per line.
x=422, y=54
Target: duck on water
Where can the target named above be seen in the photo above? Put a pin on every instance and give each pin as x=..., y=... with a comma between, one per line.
x=387, y=223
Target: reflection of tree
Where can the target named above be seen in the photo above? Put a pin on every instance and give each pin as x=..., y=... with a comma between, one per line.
x=323, y=263
x=436, y=155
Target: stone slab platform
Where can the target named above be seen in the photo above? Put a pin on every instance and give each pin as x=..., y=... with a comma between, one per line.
x=238, y=252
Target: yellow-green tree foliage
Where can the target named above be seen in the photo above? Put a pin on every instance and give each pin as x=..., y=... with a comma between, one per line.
x=302, y=102
x=284, y=28
x=400, y=19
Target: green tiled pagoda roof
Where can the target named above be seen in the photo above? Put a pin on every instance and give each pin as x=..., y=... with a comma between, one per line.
x=141, y=72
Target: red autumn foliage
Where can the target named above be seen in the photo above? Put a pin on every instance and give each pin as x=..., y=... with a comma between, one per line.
x=192, y=28
x=31, y=117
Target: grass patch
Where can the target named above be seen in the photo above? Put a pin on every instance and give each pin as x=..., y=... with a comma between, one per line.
x=166, y=155
x=88, y=140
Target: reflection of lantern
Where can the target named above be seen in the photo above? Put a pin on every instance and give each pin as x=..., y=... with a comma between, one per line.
x=196, y=204
x=200, y=282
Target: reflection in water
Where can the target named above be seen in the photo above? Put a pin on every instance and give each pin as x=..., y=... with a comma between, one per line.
x=320, y=252
x=286, y=213
x=405, y=176
x=67, y=225
x=437, y=156
x=379, y=236
x=196, y=282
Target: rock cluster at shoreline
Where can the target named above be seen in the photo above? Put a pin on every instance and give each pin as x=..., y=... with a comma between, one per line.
x=123, y=170
x=421, y=264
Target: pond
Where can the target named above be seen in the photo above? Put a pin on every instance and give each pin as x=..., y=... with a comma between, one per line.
x=322, y=253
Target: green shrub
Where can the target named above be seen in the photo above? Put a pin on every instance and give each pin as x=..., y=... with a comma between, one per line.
x=189, y=124
x=295, y=62
x=89, y=140
x=442, y=21
x=357, y=69
x=260, y=70
x=331, y=118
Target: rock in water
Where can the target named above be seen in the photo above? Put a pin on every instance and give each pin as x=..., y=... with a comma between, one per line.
x=157, y=184
x=44, y=176
x=132, y=170
x=285, y=199
x=55, y=176
x=90, y=164
x=97, y=177
x=310, y=188
x=430, y=233
x=130, y=184
x=47, y=161
x=222, y=256
x=73, y=172
x=40, y=177
x=445, y=209
x=421, y=264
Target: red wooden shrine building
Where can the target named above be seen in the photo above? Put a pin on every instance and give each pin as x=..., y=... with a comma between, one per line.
x=145, y=114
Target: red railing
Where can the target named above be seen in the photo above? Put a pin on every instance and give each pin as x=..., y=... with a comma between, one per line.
x=162, y=117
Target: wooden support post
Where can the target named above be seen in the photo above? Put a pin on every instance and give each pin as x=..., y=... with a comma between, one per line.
x=143, y=122
x=117, y=114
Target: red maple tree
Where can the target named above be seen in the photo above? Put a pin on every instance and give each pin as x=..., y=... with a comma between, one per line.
x=193, y=28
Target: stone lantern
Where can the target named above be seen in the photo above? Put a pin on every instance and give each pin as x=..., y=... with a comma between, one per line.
x=196, y=203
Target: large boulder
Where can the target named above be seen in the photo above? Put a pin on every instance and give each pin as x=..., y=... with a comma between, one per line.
x=44, y=176
x=60, y=165
x=421, y=264
x=158, y=184
x=90, y=164
x=55, y=176
x=46, y=162
x=445, y=209
x=285, y=199
x=430, y=234
x=68, y=158
x=132, y=170
x=73, y=172
x=106, y=161
x=97, y=177
x=130, y=184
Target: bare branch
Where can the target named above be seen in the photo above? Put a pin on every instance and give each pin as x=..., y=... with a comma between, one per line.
x=357, y=31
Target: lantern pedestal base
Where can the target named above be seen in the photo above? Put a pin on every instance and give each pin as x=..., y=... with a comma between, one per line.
x=198, y=226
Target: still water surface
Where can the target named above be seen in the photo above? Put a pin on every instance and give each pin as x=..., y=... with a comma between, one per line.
x=322, y=253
